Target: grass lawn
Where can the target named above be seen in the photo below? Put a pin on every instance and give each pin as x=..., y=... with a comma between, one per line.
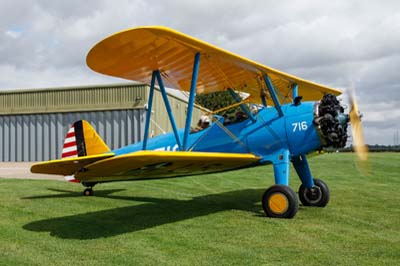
x=205, y=220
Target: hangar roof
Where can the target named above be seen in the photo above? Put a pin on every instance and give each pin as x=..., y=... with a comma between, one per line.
x=74, y=99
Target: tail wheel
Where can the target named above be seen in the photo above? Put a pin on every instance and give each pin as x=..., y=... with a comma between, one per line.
x=317, y=196
x=88, y=192
x=280, y=201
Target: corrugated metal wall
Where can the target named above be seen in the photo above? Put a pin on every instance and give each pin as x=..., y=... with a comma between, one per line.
x=74, y=99
x=39, y=137
x=33, y=123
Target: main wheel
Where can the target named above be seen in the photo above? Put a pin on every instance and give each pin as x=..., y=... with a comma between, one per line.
x=317, y=196
x=280, y=201
x=88, y=192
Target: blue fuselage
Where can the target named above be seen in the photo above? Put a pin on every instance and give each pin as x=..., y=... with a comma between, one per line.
x=264, y=137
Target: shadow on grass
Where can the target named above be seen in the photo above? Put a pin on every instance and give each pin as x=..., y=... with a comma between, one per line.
x=154, y=212
x=73, y=194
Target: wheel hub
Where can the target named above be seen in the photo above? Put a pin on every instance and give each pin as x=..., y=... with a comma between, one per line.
x=278, y=203
x=313, y=194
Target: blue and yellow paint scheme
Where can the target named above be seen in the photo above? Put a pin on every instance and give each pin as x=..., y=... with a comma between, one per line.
x=290, y=118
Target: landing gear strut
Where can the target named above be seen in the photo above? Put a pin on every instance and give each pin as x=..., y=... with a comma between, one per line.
x=89, y=189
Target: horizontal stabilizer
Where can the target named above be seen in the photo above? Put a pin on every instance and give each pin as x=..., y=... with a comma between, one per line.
x=67, y=167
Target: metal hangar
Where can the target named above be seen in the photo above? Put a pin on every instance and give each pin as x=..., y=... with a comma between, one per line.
x=34, y=122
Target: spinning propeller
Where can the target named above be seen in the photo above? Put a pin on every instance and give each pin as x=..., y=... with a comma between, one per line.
x=359, y=146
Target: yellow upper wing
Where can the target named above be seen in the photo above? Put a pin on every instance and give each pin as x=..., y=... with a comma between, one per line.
x=133, y=54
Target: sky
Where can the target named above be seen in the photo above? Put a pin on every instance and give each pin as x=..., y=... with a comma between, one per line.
x=343, y=44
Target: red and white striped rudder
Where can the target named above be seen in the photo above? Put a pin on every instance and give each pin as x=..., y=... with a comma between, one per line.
x=70, y=148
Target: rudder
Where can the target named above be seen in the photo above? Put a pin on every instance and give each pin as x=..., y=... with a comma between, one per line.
x=83, y=140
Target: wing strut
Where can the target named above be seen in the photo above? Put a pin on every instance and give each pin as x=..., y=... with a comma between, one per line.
x=295, y=91
x=156, y=75
x=192, y=94
x=168, y=107
x=263, y=96
x=272, y=92
x=148, y=112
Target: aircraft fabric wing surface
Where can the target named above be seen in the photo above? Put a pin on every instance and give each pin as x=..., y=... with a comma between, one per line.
x=133, y=54
x=162, y=164
x=67, y=166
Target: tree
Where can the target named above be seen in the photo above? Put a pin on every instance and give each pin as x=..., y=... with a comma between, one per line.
x=217, y=100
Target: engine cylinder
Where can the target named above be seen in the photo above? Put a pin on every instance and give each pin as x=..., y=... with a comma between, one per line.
x=331, y=122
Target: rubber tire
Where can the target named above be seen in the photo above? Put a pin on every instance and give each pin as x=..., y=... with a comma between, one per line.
x=322, y=200
x=293, y=203
x=88, y=192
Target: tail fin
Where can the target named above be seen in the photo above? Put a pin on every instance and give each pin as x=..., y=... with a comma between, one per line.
x=82, y=140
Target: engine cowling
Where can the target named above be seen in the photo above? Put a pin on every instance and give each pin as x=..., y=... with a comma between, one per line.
x=331, y=122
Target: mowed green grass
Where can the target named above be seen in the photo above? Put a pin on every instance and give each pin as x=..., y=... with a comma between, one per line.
x=205, y=220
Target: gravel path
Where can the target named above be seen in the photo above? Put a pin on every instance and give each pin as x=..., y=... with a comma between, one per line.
x=21, y=170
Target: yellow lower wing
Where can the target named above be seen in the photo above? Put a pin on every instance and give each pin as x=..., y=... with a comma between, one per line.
x=67, y=166
x=160, y=164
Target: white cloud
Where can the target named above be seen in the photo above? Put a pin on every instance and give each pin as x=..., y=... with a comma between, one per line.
x=16, y=78
x=44, y=43
x=13, y=34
